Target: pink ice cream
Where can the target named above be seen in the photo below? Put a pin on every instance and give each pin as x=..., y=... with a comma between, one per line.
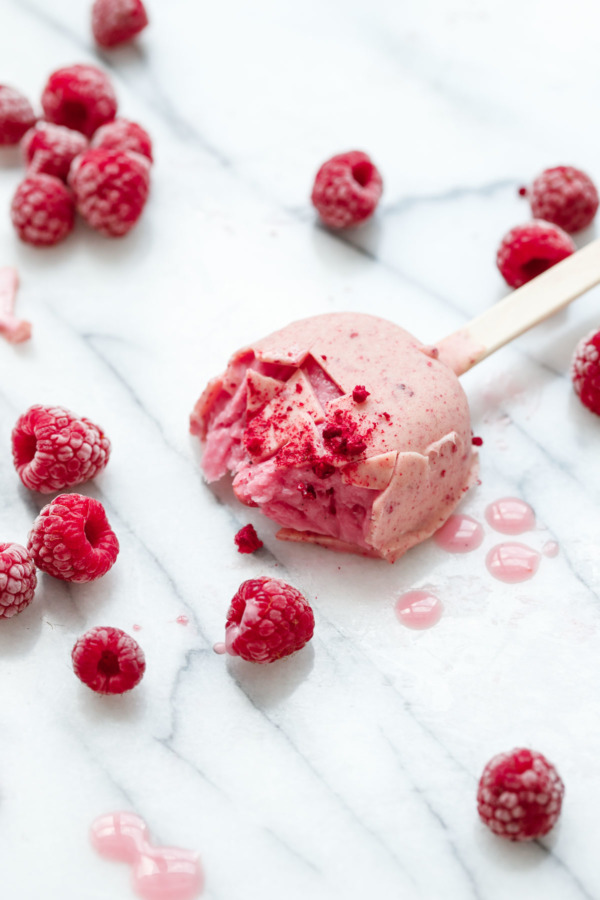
x=373, y=476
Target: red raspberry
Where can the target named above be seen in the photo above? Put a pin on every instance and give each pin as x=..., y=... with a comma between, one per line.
x=520, y=795
x=247, y=540
x=585, y=371
x=111, y=189
x=117, y=21
x=17, y=579
x=54, y=449
x=80, y=97
x=124, y=135
x=360, y=393
x=16, y=116
x=267, y=619
x=50, y=149
x=108, y=660
x=528, y=250
x=347, y=189
x=564, y=196
x=72, y=540
x=42, y=210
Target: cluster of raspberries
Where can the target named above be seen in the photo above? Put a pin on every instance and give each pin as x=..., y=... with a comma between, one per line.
x=79, y=157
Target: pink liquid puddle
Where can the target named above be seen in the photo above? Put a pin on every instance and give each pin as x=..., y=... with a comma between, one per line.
x=182, y=620
x=460, y=534
x=510, y=516
x=220, y=648
x=159, y=873
x=550, y=549
x=512, y=562
x=418, y=609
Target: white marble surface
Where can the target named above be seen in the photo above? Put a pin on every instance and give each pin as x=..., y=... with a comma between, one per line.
x=348, y=771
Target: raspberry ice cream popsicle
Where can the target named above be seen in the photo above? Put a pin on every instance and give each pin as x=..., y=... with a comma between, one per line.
x=349, y=433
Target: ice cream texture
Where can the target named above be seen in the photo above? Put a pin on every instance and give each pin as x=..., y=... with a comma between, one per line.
x=372, y=476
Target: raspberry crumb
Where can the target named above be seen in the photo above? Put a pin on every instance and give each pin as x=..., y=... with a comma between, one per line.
x=42, y=210
x=54, y=449
x=477, y=441
x=359, y=394
x=71, y=539
x=522, y=191
x=14, y=330
x=50, y=149
x=347, y=189
x=267, y=620
x=565, y=196
x=247, y=540
x=79, y=97
x=585, y=371
x=17, y=579
x=16, y=116
x=323, y=469
x=108, y=660
x=528, y=250
x=117, y=21
x=111, y=189
x=125, y=136
x=520, y=795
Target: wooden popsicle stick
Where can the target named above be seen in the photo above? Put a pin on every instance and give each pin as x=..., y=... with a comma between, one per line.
x=527, y=306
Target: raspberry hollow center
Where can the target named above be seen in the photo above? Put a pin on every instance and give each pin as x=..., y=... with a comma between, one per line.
x=75, y=114
x=362, y=172
x=535, y=267
x=25, y=446
x=93, y=530
x=108, y=664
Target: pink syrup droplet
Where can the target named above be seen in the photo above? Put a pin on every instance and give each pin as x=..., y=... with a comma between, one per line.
x=512, y=562
x=510, y=516
x=182, y=620
x=220, y=648
x=136, y=627
x=550, y=549
x=159, y=873
x=418, y=609
x=460, y=534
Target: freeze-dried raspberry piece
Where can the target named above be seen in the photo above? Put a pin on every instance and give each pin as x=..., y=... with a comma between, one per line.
x=111, y=189
x=565, y=196
x=117, y=21
x=50, y=149
x=247, y=540
x=520, y=795
x=528, y=250
x=16, y=116
x=267, y=619
x=17, y=579
x=108, y=660
x=79, y=97
x=347, y=189
x=42, y=210
x=72, y=540
x=124, y=135
x=54, y=449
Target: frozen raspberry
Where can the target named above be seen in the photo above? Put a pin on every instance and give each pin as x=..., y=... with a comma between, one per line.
x=79, y=97
x=42, y=210
x=528, y=250
x=16, y=116
x=50, y=149
x=124, y=135
x=117, y=21
x=72, y=540
x=108, y=660
x=267, y=619
x=110, y=189
x=360, y=393
x=564, y=196
x=247, y=540
x=347, y=189
x=54, y=449
x=585, y=371
x=520, y=795
x=17, y=579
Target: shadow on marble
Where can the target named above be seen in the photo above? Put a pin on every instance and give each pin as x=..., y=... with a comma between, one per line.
x=518, y=856
x=129, y=707
x=267, y=685
x=343, y=253
x=10, y=158
x=21, y=632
